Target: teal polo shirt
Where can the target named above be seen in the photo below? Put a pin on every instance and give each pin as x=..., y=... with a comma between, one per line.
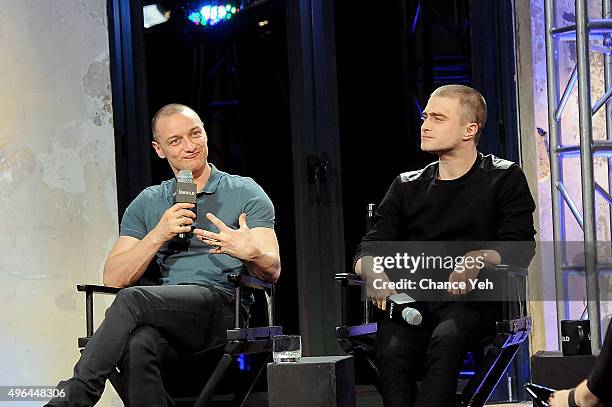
x=224, y=195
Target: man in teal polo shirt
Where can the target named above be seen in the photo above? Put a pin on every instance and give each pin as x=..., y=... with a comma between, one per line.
x=192, y=307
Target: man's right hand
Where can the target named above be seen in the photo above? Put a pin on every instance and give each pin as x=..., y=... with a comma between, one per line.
x=379, y=296
x=177, y=219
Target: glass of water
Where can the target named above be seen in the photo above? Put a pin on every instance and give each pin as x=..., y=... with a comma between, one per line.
x=286, y=348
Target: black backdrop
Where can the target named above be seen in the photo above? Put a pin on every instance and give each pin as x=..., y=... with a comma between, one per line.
x=236, y=77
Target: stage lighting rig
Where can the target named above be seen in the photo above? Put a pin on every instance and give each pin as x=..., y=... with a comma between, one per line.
x=212, y=13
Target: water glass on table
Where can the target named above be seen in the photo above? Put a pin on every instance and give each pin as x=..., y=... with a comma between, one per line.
x=286, y=348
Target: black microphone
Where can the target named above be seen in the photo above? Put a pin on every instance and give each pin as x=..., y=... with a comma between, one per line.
x=185, y=192
x=401, y=307
x=539, y=394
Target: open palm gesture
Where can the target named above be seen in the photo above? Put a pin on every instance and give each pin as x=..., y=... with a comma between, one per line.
x=237, y=243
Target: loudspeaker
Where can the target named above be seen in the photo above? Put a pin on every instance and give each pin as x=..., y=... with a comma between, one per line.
x=327, y=381
x=552, y=369
x=575, y=337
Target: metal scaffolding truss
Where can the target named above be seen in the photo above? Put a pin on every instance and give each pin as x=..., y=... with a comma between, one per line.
x=584, y=31
x=429, y=69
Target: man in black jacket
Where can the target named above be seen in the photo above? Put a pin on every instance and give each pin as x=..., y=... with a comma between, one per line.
x=463, y=197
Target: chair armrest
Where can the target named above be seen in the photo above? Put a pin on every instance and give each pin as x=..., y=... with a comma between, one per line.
x=248, y=280
x=513, y=326
x=512, y=271
x=89, y=290
x=515, y=290
x=102, y=289
x=349, y=279
x=241, y=280
x=344, y=332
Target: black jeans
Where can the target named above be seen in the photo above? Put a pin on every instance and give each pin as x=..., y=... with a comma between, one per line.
x=143, y=326
x=433, y=351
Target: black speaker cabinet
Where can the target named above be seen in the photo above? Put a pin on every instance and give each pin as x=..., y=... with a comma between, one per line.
x=327, y=381
x=552, y=369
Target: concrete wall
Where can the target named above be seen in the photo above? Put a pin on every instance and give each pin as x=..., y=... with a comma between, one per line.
x=531, y=53
x=58, y=209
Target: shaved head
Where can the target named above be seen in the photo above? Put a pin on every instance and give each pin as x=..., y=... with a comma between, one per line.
x=169, y=110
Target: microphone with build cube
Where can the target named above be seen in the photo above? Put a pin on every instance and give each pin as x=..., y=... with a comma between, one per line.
x=402, y=307
x=185, y=192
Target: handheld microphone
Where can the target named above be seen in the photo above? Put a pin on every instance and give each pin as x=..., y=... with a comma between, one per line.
x=539, y=394
x=185, y=192
x=401, y=307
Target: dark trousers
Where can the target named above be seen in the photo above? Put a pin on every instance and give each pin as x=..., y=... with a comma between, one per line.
x=144, y=326
x=434, y=352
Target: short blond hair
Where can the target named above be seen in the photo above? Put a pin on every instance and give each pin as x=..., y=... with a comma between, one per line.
x=472, y=106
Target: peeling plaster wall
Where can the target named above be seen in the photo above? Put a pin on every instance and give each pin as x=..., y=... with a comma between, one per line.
x=569, y=128
x=58, y=201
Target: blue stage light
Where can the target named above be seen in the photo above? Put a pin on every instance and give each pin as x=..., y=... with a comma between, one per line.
x=209, y=14
x=205, y=12
x=195, y=17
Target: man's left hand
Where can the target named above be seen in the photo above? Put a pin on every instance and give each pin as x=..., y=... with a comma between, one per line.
x=559, y=399
x=465, y=272
x=237, y=243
